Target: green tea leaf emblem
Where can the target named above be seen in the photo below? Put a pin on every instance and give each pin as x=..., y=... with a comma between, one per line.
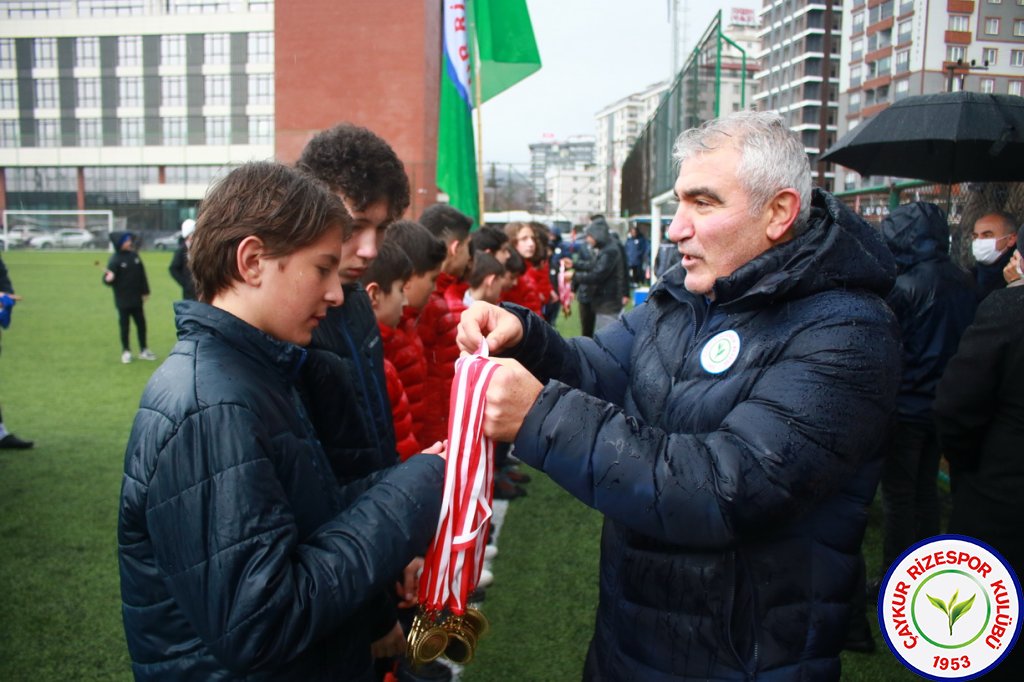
x=954, y=611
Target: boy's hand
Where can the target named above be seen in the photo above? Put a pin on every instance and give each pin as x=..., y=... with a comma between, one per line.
x=408, y=589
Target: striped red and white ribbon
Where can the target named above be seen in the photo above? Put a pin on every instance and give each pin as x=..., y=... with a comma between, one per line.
x=451, y=568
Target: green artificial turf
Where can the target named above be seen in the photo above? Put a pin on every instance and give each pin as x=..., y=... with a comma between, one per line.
x=62, y=384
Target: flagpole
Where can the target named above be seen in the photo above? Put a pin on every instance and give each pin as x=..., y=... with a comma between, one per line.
x=479, y=131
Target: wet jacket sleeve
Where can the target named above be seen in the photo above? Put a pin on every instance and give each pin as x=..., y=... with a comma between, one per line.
x=810, y=420
x=255, y=590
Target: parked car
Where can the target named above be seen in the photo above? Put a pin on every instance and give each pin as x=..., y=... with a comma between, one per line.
x=68, y=238
x=17, y=237
x=168, y=243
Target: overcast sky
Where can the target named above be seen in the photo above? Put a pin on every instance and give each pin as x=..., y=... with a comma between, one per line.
x=593, y=52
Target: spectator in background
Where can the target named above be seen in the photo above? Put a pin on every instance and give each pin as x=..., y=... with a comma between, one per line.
x=979, y=414
x=994, y=236
x=638, y=253
x=8, y=299
x=126, y=275
x=179, y=263
x=934, y=302
x=598, y=280
x=1013, y=273
x=528, y=289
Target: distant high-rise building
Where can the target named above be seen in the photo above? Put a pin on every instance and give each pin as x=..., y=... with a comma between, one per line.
x=618, y=126
x=574, y=193
x=791, y=80
x=574, y=152
x=136, y=105
x=899, y=48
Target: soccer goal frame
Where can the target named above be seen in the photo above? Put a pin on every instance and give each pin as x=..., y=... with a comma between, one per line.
x=55, y=212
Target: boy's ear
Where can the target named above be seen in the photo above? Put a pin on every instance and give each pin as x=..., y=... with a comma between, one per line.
x=453, y=247
x=249, y=260
x=373, y=291
x=489, y=280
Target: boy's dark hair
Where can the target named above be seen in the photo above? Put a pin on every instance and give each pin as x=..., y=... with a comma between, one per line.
x=515, y=263
x=484, y=264
x=358, y=164
x=426, y=251
x=488, y=238
x=447, y=223
x=391, y=265
x=287, y=209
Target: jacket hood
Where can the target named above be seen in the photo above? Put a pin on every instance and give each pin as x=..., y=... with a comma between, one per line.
x=839, y=250
x=598, y=229
x=117, y=238
x=916, y=233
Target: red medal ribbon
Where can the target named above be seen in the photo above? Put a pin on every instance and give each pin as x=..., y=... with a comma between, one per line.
x=451, y=568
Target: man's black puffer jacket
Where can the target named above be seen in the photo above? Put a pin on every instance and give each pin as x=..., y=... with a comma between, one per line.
x=240, y=556
x=933, y=300
x=734, y=501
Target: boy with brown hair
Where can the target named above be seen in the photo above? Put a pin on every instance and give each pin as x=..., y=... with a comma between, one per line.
x=230, y=517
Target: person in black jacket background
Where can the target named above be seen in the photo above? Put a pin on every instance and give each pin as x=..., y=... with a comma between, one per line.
x=179, y=263
x=8, y=299
x=240, y=555
x=728, y=429
x=934, y=301
x=599, y=279
x=126, y=275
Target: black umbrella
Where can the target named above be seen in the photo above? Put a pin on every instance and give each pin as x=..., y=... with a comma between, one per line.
x=950, y=137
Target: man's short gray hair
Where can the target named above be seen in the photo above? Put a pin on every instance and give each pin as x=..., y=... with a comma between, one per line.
x=771, y=156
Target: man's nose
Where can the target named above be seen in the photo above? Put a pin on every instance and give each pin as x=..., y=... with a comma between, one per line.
x=680, y=227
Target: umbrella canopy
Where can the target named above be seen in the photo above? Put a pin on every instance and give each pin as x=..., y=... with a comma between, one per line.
x=949, y=137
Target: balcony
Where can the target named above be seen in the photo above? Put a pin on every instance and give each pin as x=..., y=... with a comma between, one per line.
x=958, y=37
x=960, y=6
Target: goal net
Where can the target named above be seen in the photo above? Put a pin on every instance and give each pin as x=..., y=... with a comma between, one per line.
x=88, y=229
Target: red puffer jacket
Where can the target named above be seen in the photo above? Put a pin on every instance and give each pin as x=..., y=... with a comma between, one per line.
x=541, y=281
x=525, y=292
x=436, y=327
x=404, y=349
x=405, y=440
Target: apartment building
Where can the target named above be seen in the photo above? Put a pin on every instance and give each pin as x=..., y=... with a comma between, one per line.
x=576, y=151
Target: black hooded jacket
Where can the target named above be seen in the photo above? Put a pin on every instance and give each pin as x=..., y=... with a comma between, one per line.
x=933, y=300
x=130, y=284
x=733, y=448
x=599, y=280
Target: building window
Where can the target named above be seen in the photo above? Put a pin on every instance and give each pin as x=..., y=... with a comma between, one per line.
x=8, y=94
x=7, y=60
x=9, y=134
x=1018, y=27
x=855, y=76
x=216, y=48
x=995, y=2
x=172, y=91
x=90, y=132
x=901, y=89
x=261, y=88
x=903, y=61
x=172, y=50
x=130, y=92
x=989, y=56
x=992, y=27
x=261, y=129
x=218, y=90
x=261, y=48
x=988, y=85
x=1016, y=57
x=954, y=52
x=959, y=22
x=87, y=51
x=218, y=130
x=133, y=132
x=175, y=131
x=854, y=103
x=904, y=31
x=89, y=92
x=47, y=94
x=47, y=132
x=857, y=49
x=129, y=50
x=858, y=22
x=1014, y=88
x=44, y=52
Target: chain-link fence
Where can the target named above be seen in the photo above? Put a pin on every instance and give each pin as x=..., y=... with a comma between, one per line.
x=963, y=203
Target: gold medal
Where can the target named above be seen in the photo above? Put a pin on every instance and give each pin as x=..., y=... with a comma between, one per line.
x=461, y=641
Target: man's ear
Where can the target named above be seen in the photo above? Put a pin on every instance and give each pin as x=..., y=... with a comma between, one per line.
x=782, y=210
x=373, y=291
x=249, y=259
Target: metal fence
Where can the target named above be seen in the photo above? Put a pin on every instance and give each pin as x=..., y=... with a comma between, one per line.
x=963, y=203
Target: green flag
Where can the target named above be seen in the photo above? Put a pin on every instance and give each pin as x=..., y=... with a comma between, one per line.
x=505, y=44
x=456, y=155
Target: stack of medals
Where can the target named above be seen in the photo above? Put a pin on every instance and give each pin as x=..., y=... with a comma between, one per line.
x=446, y=625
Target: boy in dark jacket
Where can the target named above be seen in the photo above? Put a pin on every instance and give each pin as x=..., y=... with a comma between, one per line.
x=126, y=274
x=240, y=555
x=179, y=263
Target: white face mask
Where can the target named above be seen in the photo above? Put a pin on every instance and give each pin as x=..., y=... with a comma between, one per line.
x=985, y=250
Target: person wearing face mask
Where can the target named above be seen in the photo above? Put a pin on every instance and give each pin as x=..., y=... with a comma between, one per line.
x=994, y=235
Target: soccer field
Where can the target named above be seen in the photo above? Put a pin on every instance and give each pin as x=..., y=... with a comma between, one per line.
x=62, y=384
